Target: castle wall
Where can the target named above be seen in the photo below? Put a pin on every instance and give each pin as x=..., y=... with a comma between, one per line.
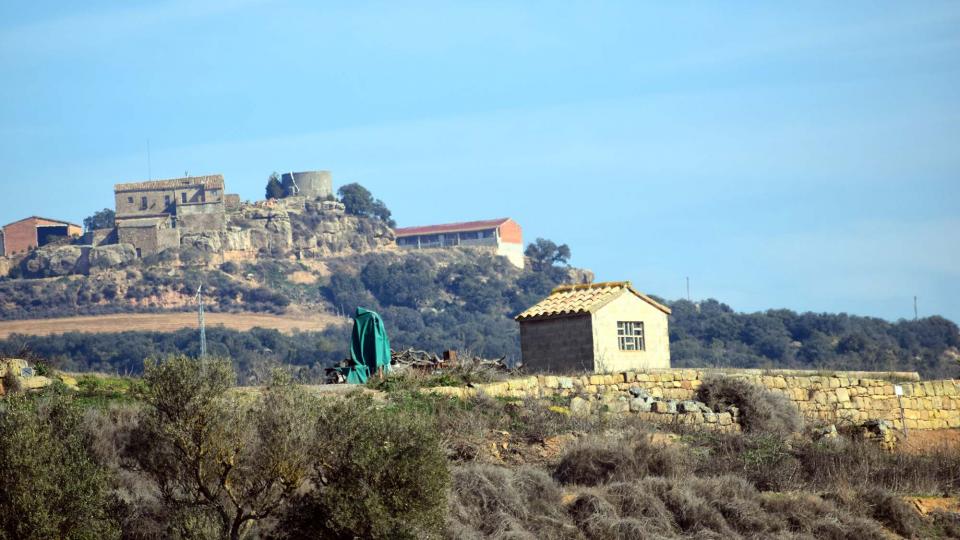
x=149, y=240
x=208, y=217
x=100, y=237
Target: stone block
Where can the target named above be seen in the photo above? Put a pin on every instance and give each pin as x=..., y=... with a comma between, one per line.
x=640, y=405
x=688, y=407
x=660, y=407
x=579, y=406
x=842, y=395
x=565, y=382
x=724, y=419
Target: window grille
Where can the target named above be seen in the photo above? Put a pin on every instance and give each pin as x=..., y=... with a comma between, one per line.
x=630, y=336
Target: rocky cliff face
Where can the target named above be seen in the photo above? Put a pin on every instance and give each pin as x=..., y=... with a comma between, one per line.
x=309, y=229
x=50, y=261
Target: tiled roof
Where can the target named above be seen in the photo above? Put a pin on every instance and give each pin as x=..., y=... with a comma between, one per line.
x=568, y=300
x=451, y=227
x=213, y=181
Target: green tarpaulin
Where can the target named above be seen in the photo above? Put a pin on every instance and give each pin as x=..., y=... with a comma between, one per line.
x=369, y=347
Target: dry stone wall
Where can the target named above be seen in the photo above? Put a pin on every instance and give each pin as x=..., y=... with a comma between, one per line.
x=827, y=397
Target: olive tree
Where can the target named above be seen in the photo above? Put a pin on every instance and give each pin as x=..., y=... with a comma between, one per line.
x=50, y=485
x=220, y=460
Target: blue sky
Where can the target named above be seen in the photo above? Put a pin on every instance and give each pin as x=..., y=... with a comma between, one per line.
x=800, y=155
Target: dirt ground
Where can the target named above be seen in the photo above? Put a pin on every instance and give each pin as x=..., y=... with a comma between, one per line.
x=164, y=322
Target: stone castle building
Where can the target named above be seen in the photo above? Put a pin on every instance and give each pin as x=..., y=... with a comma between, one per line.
x=33, y=232
x=153, y=215
x=503, y=236
x=600, y=327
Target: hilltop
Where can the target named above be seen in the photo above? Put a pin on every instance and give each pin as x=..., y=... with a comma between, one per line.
x=297, y=263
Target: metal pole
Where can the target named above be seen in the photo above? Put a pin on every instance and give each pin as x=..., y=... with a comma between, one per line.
x=202, y=322
x=688, y=289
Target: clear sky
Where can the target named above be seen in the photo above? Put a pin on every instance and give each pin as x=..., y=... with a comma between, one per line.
x=781, y=154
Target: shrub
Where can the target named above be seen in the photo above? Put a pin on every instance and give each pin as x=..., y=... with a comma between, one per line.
x=889, y=509
x=50, y=487
x=490, y=501
x=595, y=462
x=859, y=464
x=381, y=474
x=760, y=409
x=11, y=383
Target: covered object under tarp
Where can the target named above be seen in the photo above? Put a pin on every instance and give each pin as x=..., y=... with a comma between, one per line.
x=369, y=347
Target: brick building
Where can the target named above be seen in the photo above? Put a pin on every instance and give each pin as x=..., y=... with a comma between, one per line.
x=503, y=236
x=601, y=327
x=33, y=232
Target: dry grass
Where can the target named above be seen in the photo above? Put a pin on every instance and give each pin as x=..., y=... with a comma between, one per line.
x=598, y=461
x=760, y=409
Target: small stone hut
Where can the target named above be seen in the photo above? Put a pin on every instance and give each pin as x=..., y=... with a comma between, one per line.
x=599, y=327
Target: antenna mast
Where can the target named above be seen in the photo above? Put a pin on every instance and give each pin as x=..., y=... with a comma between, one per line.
x=203, y=324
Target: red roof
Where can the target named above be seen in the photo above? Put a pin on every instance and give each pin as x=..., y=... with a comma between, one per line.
x=38, y=218
x=451, y=227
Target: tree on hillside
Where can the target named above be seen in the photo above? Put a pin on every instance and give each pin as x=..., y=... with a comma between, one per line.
x=545, y=253
x=274, y=187
x=102, y=219
x=360, y=202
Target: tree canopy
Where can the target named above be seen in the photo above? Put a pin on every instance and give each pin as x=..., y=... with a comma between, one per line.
x=274, y=188
x=102, y=219
x=360, y=202
x=544, y=254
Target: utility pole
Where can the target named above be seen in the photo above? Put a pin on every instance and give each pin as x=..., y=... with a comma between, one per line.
x=688, y=288
x=203, y=325
x=915, y=307
x=149, y=167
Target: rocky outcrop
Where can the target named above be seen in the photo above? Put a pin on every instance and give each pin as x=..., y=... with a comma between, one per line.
x=237, y=239
x=209, y=242
x=53, y=261
x=309, y=229
x=262, y=228
x=5, y=266
x=111, y=256
x=325, y=234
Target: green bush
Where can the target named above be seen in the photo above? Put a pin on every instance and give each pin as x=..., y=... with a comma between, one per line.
x=50, y=487
x=381, y=474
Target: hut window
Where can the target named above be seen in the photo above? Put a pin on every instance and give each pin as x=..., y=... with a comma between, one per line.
x=630, y=336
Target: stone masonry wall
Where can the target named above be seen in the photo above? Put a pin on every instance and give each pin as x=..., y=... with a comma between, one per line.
x=828, y=397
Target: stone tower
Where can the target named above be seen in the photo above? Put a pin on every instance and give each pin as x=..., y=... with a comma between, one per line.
x=310, y=184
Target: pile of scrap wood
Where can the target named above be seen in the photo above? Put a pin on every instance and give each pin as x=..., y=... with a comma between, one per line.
x=425, y=361
x=401, y=361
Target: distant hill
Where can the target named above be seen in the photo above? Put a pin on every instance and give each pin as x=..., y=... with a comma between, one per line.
x=431, y=299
